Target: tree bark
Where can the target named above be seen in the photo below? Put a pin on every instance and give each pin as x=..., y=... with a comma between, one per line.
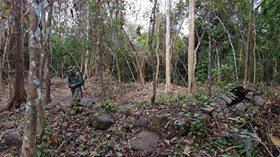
x=209, y=65
x=34, y=93
x=233, y=50
x=2, y=45
x=191, y=73
x=168, y=49
x=151, y=49
x=19, y=95
x=249, y=63
x=47, y=52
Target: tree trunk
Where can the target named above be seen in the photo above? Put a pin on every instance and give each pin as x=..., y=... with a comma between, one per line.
x=191, y=74
x=139, y=61
x=47, y=52
x=130, y=69
x=209, y=66
x=2, y=45
x=1, y=71
x=168, y=49
x=233, y=50
x=151, y=49
x=249, y=63
x=34, y=93
x=19, y=95
x=218, y=65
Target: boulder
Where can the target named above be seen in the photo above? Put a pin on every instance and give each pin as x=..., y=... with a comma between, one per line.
x=240, y=107
x=8, y=125
x=258, y=100
x=142, y=121
x=220, y=101
x=227, y=99
x=207, y=109
x=250, y=95
x=124, y=111
x=157, y=122
x=145, y=142
x=102, y=122
x=86, y=101
x=51, y=105
x=13, y=138
x=65, y=108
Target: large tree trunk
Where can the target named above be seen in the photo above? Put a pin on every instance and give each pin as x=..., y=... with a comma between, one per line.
x=191, y=59
x=168, y=49
x=249, y=63
x=19, y=96
x=34, y=94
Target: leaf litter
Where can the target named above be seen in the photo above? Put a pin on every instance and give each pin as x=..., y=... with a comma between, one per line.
x=186, y=126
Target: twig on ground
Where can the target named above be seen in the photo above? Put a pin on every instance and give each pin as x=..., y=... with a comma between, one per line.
x=261, y=141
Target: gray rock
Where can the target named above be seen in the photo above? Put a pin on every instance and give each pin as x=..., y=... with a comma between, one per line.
x=142, y=121
x=231, y=95
x=124, y=111
x=226, y=98
x=103, y=122
x=12, y=138
x=86, y=101
x=250, y=95
x=8, y=125
x=259, y=100
x=65, y=108
x=157, y=122
x=220, y=101
x=145, y=143
x=51, y=105
x=207, y=109
x=240, y=107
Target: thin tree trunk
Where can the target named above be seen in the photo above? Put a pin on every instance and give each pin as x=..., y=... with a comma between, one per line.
x=218, y=65
x=34, y=94
x=103, y=94
x=118, y=70
x=48, y=51
x=139, y=60
x=233, y=50
x=131, y=71
x=254, y=53
x=1, y=71
x=2, y=45
x=209, y=66
x=191, y=59
x=151, y=49
x=5, y=56
x=157, y=56
x=86, y=71
x=168, y=49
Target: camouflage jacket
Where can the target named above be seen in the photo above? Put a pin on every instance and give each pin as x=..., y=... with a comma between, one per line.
x=75, y=79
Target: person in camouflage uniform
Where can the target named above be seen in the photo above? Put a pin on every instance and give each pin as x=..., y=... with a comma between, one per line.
x=75, y=82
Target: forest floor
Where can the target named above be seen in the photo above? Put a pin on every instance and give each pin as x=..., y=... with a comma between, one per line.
x=126, y=124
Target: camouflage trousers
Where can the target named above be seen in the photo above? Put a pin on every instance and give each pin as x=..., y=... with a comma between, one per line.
x=75, y=95
x=75, y=92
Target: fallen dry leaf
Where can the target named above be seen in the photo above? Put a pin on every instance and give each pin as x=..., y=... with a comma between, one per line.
x=275, y=140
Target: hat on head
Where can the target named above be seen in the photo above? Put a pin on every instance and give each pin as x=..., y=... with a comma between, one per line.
x=71, y=68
